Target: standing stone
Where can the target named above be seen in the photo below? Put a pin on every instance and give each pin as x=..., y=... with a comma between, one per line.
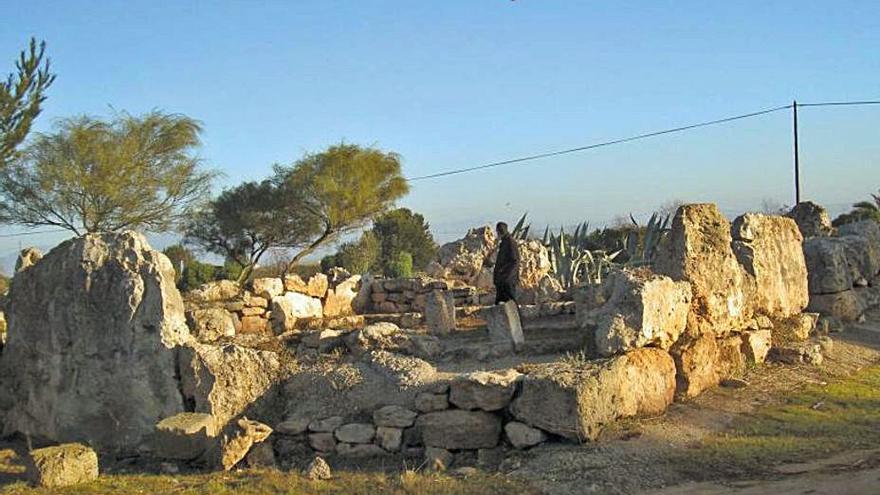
x=90, y=353
x=698, y=250
x=62, y=465
x=812, y=219
x=770, y=249
x=505, y=328
x=440, y=312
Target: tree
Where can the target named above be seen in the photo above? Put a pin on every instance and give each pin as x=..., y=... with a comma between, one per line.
x=401, y=266
x=246, y=221
x=863, y=210
x=343, y=188
x=21, y=98
x=180, y=258
x=97, y=176
x=402, y=230
x=358, y=257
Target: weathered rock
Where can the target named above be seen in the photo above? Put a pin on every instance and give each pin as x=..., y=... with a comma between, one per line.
x=576, y=400
x=389, y=337
x=261, y=456
x=328, y=425
x=236, y=441
x=534, y=265
x=695, y=364
x=211, y=324
x=356, y=433
x=90, y=351
x=812, y=219
x=254, y=325
x=229, y=380
x=339, y=300
x=318, y=470
x=523, y=436
x=844, y=305
x=731, y=361
x=322, y=442
x=862, y=256
x=437, y=459
x=797, y=353
x=394, y=416
x=868, y=229
x=827, y=266
x=27, y=258
x=427, y=402
x=288, y=308
x=292, y=426
x=794, y=329
x=389, y=439
x=755, y=345
x=463, y=259
x=184, y=436
x=640, y=309
x=698, y=250
x=486, y=390
x=458, y=429
x=547, y=290
x=219, y=290
x=268, y=287
x=440, y=312
x=505, y=328
x=770, y=249
x=62, y=465
x=359, y=450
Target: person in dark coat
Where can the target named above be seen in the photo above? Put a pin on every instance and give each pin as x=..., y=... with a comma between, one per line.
x=506, y=266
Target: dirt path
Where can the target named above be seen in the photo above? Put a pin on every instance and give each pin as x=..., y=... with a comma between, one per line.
x=651, y=456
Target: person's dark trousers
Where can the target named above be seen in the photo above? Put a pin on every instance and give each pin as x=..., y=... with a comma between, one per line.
x=504, y=292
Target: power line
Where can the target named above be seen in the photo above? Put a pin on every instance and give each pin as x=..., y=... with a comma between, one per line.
x=36, y=232
x=636, y=138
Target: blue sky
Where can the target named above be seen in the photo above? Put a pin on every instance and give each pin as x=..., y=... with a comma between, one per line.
x=451, y=84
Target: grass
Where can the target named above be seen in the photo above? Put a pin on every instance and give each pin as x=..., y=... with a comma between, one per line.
x=816, y=422
x=260, y=482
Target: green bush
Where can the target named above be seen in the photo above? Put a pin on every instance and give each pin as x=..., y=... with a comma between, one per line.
x=197, y=273
x=401, y=266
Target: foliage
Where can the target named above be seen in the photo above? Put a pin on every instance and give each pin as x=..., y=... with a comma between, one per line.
x=863, y=210
x=402, y=266
x=21, y=98
x=402, y=230
x=97, y=176
x=361, y=256
x=520, y=231
x=180, y=258
x=343, y=188
x=244, y=222
x=571, y=260
x=195, y=274
x=642, y=242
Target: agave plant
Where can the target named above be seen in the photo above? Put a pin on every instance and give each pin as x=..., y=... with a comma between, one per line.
x=572, y=263
x=642, y=251
x=520, y=231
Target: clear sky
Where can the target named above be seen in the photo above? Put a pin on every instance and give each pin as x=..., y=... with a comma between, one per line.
x=451, y=84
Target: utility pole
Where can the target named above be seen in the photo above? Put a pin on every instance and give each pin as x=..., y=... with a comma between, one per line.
x=797, y=165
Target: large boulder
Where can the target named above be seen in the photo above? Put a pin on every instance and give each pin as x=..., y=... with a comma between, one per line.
x=770, y=250
x=812, y=219
x=864, y=228
x=576, y=399
x=90, y=353
x=862, y=257
x=463, y=259
x=288, y=308
x=62, y=465
x=827, y=267
x=845, y=305
x=534, y=265
x=639, y=309
x=229, y=380
x=486, y=390
x=211, y=324
x=698, y=250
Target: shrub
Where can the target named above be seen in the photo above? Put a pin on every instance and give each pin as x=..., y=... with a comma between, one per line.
x=400, y=267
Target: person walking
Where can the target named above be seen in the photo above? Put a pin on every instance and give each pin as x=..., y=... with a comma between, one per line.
x=506, y=266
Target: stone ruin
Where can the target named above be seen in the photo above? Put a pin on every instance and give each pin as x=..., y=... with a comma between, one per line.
x=103, y=350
